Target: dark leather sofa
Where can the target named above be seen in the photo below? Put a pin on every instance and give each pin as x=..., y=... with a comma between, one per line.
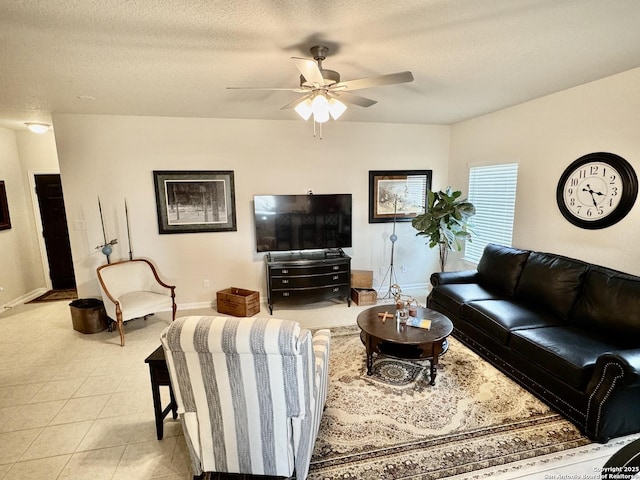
x=566, y=330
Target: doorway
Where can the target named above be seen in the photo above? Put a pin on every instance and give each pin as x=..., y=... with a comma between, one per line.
x=55, y=233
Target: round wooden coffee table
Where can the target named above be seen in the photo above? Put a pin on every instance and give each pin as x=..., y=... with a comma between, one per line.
x=402, y=341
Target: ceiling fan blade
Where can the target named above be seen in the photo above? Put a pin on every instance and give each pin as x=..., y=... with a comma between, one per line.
x=298, y=89
x=354, y=99
x=295, y=103
x=309, y=70
x=389, y=79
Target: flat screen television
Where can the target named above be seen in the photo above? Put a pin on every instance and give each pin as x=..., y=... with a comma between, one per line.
x=302, y=222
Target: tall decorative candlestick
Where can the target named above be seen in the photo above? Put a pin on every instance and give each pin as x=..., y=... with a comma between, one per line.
x=106, y=247
x=126, y=213
x=104, y=230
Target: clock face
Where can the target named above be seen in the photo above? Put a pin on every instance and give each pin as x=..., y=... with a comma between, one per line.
x=597, y=190
x=593, y=191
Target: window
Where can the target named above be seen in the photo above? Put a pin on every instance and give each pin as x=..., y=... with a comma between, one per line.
x=492, y=190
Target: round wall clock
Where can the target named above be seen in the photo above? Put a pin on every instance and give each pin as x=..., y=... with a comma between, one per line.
x=597, y=190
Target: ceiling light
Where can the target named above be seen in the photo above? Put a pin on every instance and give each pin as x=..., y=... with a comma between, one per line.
x=320, y=107
x=38, y=127
x=304, y=109
x=336, y=108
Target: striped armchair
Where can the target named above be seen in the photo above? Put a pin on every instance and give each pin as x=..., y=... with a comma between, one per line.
x=250, y=392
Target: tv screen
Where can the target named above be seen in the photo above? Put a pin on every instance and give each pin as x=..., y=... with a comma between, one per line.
x=302, y=222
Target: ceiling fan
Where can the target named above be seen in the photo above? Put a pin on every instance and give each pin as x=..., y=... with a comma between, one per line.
x=324, y=94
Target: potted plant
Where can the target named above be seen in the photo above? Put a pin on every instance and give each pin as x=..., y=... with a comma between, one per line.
x=445, y=222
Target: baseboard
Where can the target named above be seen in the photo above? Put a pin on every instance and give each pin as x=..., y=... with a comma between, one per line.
x=409, y=289
x=27, y=297
x=195, y=306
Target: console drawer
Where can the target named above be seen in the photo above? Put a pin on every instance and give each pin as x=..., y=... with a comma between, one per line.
x=308, y=270
x=310, y=294
x=310, y=280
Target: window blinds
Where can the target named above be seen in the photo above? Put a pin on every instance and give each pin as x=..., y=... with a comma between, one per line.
x=492, y=190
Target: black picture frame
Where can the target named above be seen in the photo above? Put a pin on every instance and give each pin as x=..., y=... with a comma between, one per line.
x=397, y=195
x=5, y=219
x=195, y=201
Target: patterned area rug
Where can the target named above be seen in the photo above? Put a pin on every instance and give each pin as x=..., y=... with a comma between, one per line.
x=394, y=425
x=55, y=295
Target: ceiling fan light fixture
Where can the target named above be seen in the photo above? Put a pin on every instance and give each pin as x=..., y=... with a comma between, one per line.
x=320, y=107
x=336, y=108
x=304, y=109
x=36, y=127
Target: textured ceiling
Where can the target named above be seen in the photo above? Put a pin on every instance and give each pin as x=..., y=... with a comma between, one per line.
x=176, y=58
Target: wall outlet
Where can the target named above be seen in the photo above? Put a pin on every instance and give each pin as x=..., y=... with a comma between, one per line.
x=205, y=283
x=381, y=270
x=403, y=269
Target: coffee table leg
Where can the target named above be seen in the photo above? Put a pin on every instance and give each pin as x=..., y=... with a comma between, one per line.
x=369, y=362
x=366, y=339
x=435, y=355
x=434, y=371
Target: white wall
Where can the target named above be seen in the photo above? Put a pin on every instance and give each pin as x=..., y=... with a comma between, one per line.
x=21, y=272
x=113, y=157
x=38, y=155
x=544, y=136
x=37, y=152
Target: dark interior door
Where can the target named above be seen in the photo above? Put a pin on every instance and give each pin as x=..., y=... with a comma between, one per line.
x=54, y=231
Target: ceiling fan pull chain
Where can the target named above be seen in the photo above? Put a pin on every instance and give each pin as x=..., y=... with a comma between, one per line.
x=319, y=129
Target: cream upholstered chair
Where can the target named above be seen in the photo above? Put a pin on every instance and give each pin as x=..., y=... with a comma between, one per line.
x=132, y=289
x=250, y=392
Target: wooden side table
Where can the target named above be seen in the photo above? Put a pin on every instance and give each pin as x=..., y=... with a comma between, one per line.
x=160, y=377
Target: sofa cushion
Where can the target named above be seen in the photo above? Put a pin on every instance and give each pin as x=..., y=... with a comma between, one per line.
x=551, y=282
x=610, y=303
x=567, y=352
x=500, y=317
x=452, y=296
x=500, y=267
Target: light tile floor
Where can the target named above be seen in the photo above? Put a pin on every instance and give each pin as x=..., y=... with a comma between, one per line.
x=76, y=406
x=79, y=406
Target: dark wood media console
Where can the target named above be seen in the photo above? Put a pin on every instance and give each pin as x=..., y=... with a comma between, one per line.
x=307, y=277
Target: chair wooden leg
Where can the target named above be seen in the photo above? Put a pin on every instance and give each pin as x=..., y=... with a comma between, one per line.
x=121, y=329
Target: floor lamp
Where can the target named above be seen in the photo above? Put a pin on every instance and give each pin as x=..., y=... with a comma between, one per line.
x=390, y=271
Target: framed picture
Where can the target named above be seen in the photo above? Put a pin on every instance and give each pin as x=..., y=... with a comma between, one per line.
x=397, y=194
x=195, y=201
x=5, y=221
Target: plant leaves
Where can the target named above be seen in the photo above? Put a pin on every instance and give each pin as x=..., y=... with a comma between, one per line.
x=447, y=219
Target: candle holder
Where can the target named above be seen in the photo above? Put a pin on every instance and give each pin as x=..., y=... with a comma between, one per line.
x=406, y=305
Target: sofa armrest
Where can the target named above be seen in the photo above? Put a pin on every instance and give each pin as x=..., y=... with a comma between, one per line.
x=627, y=363
x=612, y=392
x=464, y=276
x=321, y=348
